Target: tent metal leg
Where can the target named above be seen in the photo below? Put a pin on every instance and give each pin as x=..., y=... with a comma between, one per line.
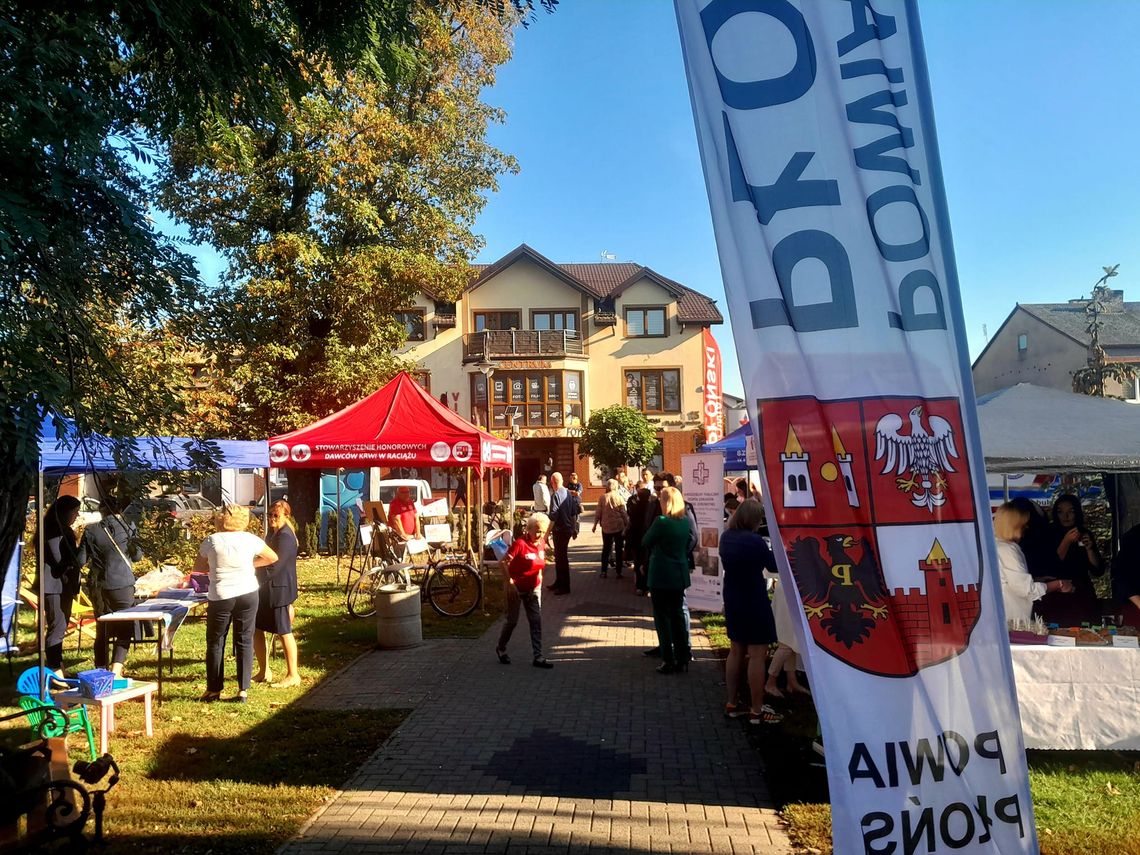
x=40, y=629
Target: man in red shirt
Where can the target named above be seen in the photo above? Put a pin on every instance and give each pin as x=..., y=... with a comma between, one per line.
x=402, y=514
x=522, y=566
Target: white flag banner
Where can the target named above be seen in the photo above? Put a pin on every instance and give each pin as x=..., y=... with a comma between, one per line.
x=702, y=476
x=816, y=134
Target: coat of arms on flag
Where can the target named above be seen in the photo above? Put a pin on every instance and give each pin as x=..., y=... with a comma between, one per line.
x=875, y=507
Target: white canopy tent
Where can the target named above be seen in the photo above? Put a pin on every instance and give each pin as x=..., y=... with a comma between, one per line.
x=1029, y=428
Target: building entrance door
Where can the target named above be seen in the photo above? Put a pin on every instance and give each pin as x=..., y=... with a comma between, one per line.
x=527, y=470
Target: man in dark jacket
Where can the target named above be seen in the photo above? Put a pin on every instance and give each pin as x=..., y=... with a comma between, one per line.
x=565, y=507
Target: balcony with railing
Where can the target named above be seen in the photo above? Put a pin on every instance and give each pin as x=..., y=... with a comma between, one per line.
x=521, y=344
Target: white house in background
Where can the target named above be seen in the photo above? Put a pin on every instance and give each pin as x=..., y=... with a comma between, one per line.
x=735, y=412
x=1045, y=343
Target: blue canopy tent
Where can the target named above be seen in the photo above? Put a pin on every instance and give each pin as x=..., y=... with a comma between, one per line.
x=732, y=447
x=63, y=450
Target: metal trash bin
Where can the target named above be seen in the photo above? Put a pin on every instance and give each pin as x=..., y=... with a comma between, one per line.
x=398, y=619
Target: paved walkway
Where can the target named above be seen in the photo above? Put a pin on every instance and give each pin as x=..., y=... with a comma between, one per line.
x=600, y=754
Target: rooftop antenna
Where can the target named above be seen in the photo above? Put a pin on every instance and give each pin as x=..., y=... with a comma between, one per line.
x=606, y=255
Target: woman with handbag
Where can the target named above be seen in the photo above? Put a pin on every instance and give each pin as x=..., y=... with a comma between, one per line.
x=111, y=552
x=63, y=562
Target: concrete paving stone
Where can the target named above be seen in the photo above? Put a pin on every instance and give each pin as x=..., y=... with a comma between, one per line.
x=599, y=755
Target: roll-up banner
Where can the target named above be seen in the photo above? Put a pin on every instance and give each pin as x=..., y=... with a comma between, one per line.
x=816, y=133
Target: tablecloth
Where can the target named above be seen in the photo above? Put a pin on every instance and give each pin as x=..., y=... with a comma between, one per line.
x=1078, y=698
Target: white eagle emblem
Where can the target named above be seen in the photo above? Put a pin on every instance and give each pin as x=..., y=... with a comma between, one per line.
x=926, y=454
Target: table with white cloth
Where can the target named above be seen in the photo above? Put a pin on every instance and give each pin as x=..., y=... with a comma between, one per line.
x=1078, y=698
x=170, y=608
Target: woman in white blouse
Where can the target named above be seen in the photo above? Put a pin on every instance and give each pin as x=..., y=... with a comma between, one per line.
x=1018, y=588
x=230, y=555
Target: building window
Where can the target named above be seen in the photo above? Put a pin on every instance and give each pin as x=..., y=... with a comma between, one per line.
x=424, y=379
x=412, y=320
x=653, y=391
x=1132, y=387
x=645, y=322
x=497, y=321
x=545, y=320
x=1022, y=343
x=530, y=399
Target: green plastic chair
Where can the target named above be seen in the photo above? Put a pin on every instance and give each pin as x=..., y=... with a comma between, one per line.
x=53, y=721
x=50, y=721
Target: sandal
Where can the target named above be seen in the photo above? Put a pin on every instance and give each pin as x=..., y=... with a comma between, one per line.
x=767, y=715
x=210, y=697
x=736, y=711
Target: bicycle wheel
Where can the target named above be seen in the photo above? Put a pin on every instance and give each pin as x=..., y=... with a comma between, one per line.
x=454, y=589
x=360, y=594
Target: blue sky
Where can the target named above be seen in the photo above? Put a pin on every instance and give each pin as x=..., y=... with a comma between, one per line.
x=1036, y=108
x=1037, y=119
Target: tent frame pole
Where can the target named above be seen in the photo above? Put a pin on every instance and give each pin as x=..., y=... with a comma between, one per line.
x=467, y=508
x=339, y=476
x=41, y=636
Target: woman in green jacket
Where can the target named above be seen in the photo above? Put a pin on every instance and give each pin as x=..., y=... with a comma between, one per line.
x=668, y=542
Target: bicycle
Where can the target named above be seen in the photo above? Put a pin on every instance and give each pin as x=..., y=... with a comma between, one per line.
x=449, y=581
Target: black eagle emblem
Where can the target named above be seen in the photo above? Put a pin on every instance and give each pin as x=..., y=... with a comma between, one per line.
x=848, y=594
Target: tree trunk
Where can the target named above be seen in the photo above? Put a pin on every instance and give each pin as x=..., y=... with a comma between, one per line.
x=304, y=497
x=15, y=487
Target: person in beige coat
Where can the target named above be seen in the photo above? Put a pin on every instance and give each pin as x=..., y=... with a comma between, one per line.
x=614, y=520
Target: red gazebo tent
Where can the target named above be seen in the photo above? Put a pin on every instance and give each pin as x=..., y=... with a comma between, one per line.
x=398, y=425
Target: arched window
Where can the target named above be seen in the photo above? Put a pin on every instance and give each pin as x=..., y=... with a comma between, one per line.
x=792, y=484
x=803, y=483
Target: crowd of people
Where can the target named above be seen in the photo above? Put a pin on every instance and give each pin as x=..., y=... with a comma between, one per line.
x=649, y=526
x=252, y=587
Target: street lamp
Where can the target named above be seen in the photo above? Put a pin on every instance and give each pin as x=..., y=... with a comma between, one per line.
x=486, y=367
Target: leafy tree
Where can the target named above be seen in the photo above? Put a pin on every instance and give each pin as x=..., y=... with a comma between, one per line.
x=1090, y=380
x=335, y=215
x=90, y=91
x=618, y=436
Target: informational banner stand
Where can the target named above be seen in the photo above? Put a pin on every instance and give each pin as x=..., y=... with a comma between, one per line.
x=816, y=133
x=702, y=477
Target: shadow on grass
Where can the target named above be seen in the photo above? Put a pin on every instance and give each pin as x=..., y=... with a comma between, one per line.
x=294, y=746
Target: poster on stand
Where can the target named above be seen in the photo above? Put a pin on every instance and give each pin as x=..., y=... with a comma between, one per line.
x=816, y=133
x=702, y=480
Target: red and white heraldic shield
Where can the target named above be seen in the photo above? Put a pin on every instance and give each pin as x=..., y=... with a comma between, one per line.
x=876, y=512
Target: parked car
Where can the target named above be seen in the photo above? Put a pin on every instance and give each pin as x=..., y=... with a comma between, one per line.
x=276, y=492
x=180, y=506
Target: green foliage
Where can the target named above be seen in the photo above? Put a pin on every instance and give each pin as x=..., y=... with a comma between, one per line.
x=311, y=539
x=165, y=540
x=91, y=92
x=618, y=435
x=332, y=532
x=335, y=214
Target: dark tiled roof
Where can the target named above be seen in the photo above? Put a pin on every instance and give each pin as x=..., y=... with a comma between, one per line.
x=602, y=279
x=1121, y=323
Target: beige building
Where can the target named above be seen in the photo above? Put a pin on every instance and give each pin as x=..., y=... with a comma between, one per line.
x=1045, y=343
x=532, y=347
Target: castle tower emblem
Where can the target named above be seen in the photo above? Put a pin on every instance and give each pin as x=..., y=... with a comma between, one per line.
x=844, y=459
x=798, y=491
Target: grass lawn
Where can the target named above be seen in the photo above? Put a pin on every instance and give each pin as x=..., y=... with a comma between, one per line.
x=1084, y=801
x=242, y=778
